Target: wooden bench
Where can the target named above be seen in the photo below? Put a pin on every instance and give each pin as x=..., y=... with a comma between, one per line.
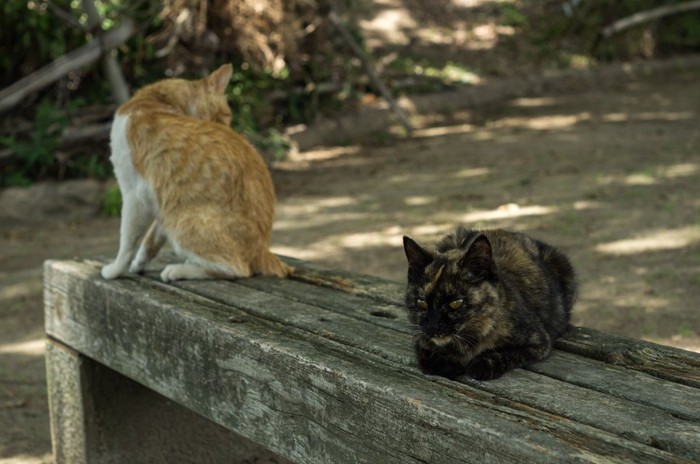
x=321, y=370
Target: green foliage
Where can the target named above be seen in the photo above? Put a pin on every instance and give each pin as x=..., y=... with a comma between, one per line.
x=274, y=143
x=32, y=36
x=512, y=16
x=35, y=157
x=567, y=33
x=562, y=33
x=112, y=202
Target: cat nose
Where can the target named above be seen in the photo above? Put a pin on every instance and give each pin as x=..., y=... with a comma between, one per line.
x=433, y=332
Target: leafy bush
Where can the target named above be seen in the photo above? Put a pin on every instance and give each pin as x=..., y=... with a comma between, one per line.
x=34, y=158
x=32, y=36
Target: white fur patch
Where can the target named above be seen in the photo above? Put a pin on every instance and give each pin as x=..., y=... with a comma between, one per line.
x=138, y=199
x=131, y=183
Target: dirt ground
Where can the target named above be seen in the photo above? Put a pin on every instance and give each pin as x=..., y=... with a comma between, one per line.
x=613, y=178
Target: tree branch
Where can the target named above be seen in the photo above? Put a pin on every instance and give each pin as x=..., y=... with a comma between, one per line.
x=369, y=67
x=12, y=95
x=649, y=15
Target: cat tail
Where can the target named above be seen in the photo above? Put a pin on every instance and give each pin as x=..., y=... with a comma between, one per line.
x=268, y=264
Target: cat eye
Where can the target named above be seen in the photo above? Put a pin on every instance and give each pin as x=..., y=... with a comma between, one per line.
x=456, y=304
x=422, y=304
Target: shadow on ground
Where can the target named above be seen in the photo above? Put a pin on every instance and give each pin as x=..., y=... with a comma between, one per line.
x=613, y=178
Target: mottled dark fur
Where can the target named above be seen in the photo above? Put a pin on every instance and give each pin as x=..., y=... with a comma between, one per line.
x=486, y=302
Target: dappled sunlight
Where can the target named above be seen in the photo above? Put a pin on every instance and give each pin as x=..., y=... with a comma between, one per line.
x=612, y=182
x=29, y=348
x=444, y=130
x=566, y=121
x=390, y=236
x=431, y=229
x=414, y=178
x=549, y=122
x=648, y=116
x=534, y=102
x=584, y=205
x=680, y=170
x=471, y=172
x=392, y=22
x=419, y=200
x=302, y=160
x=316, y=252
x=651, y=176
x=510, y=210
x=288, y=220
x=658, y=240
x=389, y=24
x=616, y=303
x=315, y=212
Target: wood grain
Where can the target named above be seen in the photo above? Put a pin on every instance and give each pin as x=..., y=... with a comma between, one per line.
x=326, y=374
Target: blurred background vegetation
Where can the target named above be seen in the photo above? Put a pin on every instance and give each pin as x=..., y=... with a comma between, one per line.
x=291, y=64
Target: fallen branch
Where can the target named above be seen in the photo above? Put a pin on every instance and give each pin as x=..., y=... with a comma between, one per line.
x=12, y=95
x=92, y=133
x=649, y=15
x=369, y=67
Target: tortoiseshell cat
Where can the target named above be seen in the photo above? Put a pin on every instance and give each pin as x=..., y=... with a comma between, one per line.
x=486, y=302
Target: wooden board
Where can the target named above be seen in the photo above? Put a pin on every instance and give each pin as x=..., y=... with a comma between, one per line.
x=322, y=370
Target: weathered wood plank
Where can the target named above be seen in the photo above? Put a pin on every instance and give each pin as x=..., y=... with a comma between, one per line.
x=592, y=402
x=613, y=380
x=657, y=360
x=680, y=400
x=359, y=284
x=292, y=357
x=100, y=416
x=629, y=385
x=70, y=435
x=389, y=315
x=654, y=359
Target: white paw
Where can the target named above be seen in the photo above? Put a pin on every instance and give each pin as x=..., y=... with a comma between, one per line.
x=182, y=272
x=112, y=271
x=171, y=272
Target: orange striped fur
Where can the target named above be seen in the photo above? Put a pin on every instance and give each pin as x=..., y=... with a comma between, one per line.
x=188, y=179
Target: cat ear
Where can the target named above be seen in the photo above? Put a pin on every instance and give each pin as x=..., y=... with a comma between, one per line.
x=418, y=257
x=479, y=257
x=217, y=81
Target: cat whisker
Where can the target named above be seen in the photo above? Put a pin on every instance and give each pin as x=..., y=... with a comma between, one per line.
x=464, y=343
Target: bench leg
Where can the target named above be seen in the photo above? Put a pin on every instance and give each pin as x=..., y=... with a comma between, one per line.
x=67, y=375
x=101, y=416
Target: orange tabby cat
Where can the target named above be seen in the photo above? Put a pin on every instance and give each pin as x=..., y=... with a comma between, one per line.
x=198, y=185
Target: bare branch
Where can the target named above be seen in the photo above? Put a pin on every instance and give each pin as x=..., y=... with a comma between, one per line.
x=369, y=67
x=12, y=95
x=649, y=15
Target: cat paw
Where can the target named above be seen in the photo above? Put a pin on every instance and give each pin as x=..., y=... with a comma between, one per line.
x=443, y=369
x=182, y=272
x=112, y=271
x=485, y=368
x=170, y=273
